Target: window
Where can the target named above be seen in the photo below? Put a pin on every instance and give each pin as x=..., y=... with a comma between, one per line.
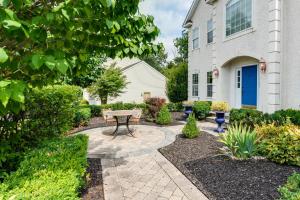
x=209, y=84
x=195, y=82
x=238, y=79
x=238, y=16
x=195, y=36
x=210, y=32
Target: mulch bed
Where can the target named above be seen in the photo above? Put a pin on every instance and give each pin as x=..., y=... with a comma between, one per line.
x=94, y=189
x=220, y=177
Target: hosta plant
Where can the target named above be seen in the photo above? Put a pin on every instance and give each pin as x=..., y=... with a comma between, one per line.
x=239, y=141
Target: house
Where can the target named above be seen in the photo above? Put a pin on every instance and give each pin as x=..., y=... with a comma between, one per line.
x=144, y=82
x=245, y=52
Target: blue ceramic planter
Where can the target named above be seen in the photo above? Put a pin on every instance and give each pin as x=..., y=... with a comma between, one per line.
x=188, y=110
x=220, y=120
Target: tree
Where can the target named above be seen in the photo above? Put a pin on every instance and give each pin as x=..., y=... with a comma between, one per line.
x=110, y=84
x=177, y=82
x=182, y=45
x=157, y=59
x=93, y=70
x=41, y=41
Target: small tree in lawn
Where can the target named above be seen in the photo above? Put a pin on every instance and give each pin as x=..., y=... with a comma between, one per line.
x=191, y=130
x=164, y=116
x=110, y=84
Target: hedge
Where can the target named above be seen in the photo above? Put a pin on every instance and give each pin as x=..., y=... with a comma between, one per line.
x=48, y=113
x=82, y=116
x=201, y=109
x=175, y=107
x=54, y=170
x=251, y=118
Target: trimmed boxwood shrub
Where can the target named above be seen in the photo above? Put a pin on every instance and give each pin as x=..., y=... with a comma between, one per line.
x=190, y=130
x=164, y=116
x=246, y=117
x=54, y=170
x=95, y=110
x=201, y=109
x=82, y=116
x=291, y=190
x=175, y=107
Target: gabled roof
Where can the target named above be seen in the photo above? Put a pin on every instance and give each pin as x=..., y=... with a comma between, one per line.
x=127, y=63
x=191, y=12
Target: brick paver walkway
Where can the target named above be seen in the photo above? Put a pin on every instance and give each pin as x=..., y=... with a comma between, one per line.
x=134, y=169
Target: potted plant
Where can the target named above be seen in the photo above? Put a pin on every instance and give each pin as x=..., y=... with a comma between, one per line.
x=188, y=108
x=220, y=108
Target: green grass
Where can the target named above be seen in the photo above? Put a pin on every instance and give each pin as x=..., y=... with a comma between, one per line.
x=54, y=170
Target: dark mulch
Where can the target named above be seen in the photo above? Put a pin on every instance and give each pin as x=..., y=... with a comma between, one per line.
x=94, y=189
x=220, y=177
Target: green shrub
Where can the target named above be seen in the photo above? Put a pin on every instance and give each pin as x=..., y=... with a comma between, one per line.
x=201, y=109
x=280, y=144
x=175, y=107
x=239, y=141
x=54, y=170
x=123, y=106
x=164, y=116
x=246, y=117
x=153, y=106
x=82, y=116
x=291, y=190
x=48, y=112
x=190, y=130
x=95, y=110
x=84, y=102
x=281, y=116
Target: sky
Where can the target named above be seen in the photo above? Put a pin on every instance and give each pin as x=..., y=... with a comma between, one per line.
x=168, y=16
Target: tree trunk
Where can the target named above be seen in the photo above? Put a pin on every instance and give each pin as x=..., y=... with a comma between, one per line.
x=103, y=100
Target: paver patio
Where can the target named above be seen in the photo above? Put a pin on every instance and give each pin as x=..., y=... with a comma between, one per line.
x=134, y=169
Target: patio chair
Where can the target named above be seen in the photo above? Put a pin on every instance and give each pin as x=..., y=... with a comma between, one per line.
x=109, y=119
x=136, y=117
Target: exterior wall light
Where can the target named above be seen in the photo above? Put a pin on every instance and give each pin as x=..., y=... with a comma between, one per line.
x=216, y=72
x=262, y=65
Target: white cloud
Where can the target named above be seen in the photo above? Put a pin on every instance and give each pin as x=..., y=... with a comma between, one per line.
x=168, y=16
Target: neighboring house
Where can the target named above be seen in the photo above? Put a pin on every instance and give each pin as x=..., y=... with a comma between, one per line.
x=245, y=52
x=144, y=82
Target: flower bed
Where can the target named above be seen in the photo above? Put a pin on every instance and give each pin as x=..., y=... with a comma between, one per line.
x=54, y=170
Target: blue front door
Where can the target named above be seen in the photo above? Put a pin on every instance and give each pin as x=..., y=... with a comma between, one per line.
x=249, y=86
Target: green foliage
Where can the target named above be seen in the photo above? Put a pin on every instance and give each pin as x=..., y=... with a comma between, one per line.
x=54, y=170
x=181, y=45
x=48, y=112
x=123, y=106
x=82, y=116
x=42, y=41
x=246, y=117
x=239, y=141
x=253, y=117
x=84, y=102
x=156, y=60
x=177, y=83
x=201, y=109
x=92, y=71
x=190, y=130
x=280, y=144
x=110, y=84
x=175, y=107
x=95, y=110
x=164, y=116
x=291, y=190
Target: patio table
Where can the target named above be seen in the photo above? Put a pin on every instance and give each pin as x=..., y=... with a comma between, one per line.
x=119, y=114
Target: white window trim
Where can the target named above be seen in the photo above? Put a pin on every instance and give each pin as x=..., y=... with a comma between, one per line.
x=209, y=84
x=240, y=33
x=207, y=31
x=197, y=27
x=197, y=84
